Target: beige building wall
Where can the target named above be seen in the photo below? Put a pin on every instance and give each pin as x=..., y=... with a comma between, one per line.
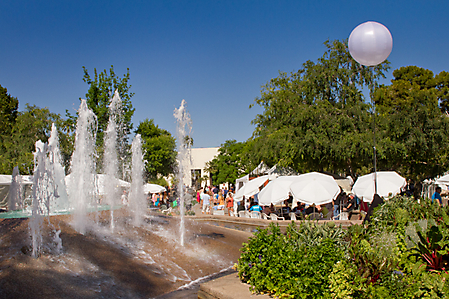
x=200, y=156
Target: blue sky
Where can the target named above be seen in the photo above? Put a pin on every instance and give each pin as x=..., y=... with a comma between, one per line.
x=214, y=54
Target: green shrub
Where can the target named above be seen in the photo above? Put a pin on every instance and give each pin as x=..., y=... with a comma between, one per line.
x=374, y=252
x=293, y=264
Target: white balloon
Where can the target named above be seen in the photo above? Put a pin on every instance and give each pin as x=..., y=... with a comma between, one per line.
x=370, y=43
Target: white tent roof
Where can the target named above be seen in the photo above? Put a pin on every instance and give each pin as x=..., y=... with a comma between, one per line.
x=6, y=179
x=444, y=180
x=240, y=182
x=100, y=179
x=262, y=168
x=153, y=188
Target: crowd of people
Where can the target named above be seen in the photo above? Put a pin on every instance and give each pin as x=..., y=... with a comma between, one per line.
x=162, y=200
x=212, y=198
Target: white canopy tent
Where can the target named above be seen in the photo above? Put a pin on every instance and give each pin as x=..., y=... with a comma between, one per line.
x=251, y=187
x=261, y=169
x=6, y=179
x=444, y=180
x=5, y=183
x=100, y=180
x=240, y=182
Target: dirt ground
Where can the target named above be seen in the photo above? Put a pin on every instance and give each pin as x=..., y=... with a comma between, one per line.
x=123, y=262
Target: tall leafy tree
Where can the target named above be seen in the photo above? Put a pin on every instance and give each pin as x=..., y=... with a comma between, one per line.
x=442, y=86
x=30, y=125
x=317, y=118
x=413, y=132
x=232, y=161
x=159, y=148
x=8, y=111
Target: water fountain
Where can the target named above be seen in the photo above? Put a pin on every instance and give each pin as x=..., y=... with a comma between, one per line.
x=81, y=187
x=184, y=131
x=46, y=193
x=15, y=195
x=142, y=261
x=61, y=201
x=137, y=200
x=110, y=161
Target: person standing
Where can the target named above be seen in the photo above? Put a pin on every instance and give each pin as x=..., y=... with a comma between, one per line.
x=225, y=192
x=229, y=202
x=206, y=201
x=198, y=196
x=351, y=203
x=338, y=201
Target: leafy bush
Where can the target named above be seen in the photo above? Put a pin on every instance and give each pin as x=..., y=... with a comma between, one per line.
x=432, y=246
x=401, y=210
x=373, y=252
x=293, y=264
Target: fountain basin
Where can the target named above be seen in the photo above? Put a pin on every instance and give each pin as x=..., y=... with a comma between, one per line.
x=26, y=213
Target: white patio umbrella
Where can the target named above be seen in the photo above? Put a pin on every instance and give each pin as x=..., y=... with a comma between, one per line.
x=250, y=188
x=314, y=188
x=153, y=188
x=388, y=183
x=276, y=191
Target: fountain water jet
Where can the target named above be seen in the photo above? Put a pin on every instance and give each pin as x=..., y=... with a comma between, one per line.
x=81, y=188
x=136, y=197
x=15, y=195
x=61, y=202
x=39, y=198
x=110, y=161
x=49, y=191
x=184, y=130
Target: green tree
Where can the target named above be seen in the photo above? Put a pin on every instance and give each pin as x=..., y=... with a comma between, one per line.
x=317, y=118
x=442, y=86
x=231, y=162
x=31, y=125
x=159, y=149
x=8, y=111
x=413, y=132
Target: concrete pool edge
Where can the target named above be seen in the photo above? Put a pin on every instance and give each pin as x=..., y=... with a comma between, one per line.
x=265, y=222
x=227, y=287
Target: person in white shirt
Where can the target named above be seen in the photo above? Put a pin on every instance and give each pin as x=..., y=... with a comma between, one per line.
x=206, y=201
